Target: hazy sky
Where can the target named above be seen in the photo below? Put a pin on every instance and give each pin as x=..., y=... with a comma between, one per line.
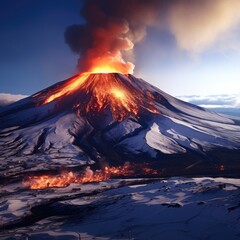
x=190, y=47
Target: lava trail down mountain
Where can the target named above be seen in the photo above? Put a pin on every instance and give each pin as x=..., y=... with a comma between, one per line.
x=106, y=90
x=110, y=119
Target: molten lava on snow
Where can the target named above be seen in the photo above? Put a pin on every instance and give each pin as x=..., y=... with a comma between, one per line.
x=64, y=179
x=105, y=90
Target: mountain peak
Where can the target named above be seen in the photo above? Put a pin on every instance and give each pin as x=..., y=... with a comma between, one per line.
x=113, y=118
x=99, y=91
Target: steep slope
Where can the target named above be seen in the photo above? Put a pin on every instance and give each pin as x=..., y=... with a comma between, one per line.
x=114, y=118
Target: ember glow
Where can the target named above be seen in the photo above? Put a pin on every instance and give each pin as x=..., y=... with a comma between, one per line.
x=75, y=83
x=66, y=178
x=110, y=64
x=105, y=90
x=118, y=93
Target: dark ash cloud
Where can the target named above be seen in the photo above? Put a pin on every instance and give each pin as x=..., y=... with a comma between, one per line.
x=112, y=27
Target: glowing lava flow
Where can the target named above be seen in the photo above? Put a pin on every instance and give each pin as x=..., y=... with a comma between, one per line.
x=75, y=83
x=65, y=179
x=100, y=91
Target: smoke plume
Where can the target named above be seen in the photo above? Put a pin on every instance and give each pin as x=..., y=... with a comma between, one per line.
x=198, y=24
x=112, y=27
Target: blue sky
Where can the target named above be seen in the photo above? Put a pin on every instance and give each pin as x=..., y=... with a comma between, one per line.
x=34, y=55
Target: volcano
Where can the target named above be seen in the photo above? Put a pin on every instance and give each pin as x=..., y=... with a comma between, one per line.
x=110, y=119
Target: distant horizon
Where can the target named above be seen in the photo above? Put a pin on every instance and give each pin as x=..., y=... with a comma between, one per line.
x=231, y=107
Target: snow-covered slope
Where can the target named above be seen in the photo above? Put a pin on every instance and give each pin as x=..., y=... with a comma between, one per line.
x=154, y=127
x=175, y=208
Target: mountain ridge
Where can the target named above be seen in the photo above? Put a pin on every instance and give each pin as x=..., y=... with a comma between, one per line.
x=86, y=127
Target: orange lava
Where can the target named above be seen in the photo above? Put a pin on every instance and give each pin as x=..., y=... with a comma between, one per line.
x=110, y=65
x=106, y=90
x=66, y=178
x=75, y=83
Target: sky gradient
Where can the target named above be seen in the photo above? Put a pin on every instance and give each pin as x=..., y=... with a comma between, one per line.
x=188, y=49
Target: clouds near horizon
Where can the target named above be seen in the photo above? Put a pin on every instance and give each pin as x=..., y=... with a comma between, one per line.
x=214, y=101
x=7, y=98
x=211, y=101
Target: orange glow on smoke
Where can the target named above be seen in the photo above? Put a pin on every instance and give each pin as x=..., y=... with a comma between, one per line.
x=105, y=66
x=103, y=69
x=65, y=179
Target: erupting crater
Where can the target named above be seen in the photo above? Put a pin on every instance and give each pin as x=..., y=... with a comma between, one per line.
x=94, y=119
x=98, y=91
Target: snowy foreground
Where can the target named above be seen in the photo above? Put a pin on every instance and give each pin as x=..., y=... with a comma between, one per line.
x=175, y=208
